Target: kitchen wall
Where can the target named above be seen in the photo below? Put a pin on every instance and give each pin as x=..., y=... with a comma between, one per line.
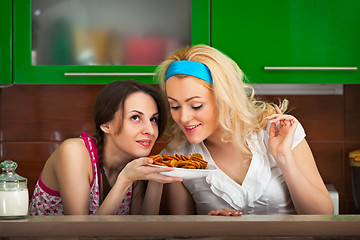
x=34, y=119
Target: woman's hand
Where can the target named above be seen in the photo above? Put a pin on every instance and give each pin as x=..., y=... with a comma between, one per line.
x=280, y=141
x=225, y=212
x=139, y=169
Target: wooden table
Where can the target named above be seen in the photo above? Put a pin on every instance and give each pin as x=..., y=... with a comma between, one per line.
x=342, y=226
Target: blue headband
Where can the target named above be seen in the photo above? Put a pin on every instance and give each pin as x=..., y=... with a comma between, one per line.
x=191, y=68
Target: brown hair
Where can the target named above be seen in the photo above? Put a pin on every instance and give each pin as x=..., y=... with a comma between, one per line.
x=112, y=98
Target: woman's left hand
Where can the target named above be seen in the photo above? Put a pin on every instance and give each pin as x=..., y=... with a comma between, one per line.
x=139, y=169
x=225, y=212
x=280, y=141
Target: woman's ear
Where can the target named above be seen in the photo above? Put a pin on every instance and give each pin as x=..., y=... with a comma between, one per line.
x=105, y=127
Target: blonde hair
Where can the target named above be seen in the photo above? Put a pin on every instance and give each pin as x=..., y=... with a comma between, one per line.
x=240, y=113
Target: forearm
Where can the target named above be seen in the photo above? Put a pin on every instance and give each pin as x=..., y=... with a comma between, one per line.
x=307, y=197
x=113, y=200
x=151, y=203
x=177, y=200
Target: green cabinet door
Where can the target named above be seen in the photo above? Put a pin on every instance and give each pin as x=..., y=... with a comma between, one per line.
x=72, y=41
x=5, y=42
x=262, y=34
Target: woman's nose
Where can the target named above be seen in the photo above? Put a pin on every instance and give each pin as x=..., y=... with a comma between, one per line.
x=149, y=128
x=185, y=115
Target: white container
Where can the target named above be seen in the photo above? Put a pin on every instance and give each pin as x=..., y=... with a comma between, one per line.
x=334, y=197
x=14, y=195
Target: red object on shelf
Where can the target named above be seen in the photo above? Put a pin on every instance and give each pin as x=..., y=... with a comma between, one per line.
x=149, y=50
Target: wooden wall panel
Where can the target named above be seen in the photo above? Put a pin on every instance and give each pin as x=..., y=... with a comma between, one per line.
x=352, y=139
x=328, y=157
x=30, y=157
x=352, y=113
x=34, y=119
x=47, y=112
x=322, y=116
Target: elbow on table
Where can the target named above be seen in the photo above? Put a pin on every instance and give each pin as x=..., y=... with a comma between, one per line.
x=325, y=208
x=328, y=209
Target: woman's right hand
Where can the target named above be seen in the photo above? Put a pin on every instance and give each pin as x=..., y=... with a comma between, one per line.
x=139, y=169
x=281, y=137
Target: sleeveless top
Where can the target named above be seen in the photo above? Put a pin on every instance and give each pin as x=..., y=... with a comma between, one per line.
x=263, y=190
x=46, y=201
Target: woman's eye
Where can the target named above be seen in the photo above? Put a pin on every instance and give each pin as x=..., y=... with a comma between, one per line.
x=197, y=107
x=135, y=117
x=175, y=107
x=154, y=119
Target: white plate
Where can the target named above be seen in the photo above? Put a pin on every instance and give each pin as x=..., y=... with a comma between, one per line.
x=186, y=173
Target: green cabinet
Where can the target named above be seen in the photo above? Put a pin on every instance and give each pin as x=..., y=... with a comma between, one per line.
x=288, y=35
x=60, y=41
x=5, y=43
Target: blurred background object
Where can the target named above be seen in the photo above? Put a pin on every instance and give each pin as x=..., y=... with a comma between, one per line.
x=354, y=161
x=110, y=32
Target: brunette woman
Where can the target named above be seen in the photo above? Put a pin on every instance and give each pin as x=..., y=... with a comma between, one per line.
x=102, y=174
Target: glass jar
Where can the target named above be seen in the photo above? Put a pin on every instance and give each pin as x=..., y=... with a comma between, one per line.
x=354, y=161
x=14, y=195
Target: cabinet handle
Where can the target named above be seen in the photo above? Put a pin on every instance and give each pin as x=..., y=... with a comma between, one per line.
x=313, y=68
x=106, y=74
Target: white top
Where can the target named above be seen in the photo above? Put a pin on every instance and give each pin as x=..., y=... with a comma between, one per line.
x=263, y=191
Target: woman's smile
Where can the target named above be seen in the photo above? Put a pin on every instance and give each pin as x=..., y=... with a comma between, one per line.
x=192, y=128
x=144, y=143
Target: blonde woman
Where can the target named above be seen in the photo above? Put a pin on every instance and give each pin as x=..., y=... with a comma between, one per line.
x=264, y=164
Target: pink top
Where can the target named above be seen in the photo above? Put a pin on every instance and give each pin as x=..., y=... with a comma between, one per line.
x=46, y=201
